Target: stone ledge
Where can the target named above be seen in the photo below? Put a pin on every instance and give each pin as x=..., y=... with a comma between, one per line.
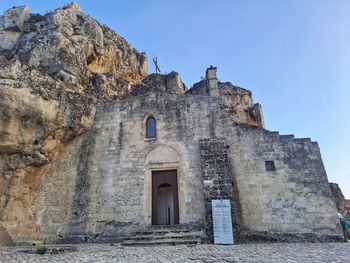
x=273, y=237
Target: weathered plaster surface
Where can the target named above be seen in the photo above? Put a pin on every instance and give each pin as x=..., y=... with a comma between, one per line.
x=112, y=174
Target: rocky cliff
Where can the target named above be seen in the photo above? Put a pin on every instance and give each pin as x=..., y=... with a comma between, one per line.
x=54, y=70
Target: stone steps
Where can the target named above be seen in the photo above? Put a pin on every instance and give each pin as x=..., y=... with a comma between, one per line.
x=291, y=138
x=163, y=231
x=164, y=236
x=167, y=235
x=161, y=242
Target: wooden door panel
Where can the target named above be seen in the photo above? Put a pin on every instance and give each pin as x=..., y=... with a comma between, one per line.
x=159, y=178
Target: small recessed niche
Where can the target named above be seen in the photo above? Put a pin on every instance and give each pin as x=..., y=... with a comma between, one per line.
x=270, y=166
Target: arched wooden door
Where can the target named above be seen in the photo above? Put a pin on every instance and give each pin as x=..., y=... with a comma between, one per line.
x=165, y=205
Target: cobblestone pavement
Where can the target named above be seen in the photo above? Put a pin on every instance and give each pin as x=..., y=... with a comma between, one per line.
x=300, y=252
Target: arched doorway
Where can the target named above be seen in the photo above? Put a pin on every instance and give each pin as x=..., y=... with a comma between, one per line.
x=165, y=206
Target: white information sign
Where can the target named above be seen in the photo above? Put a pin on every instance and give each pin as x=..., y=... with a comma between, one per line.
x=188, y=199
x=222, y=222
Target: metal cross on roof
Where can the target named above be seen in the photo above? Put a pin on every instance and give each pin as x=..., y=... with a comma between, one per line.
x=155, y=61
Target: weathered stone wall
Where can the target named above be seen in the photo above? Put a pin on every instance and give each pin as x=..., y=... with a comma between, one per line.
x=338, y=197
x=292, y=203
x=347, y=208
x=111, y=174
x=112, y=193
x=238, y=101
x=5, y=239
x=57, y=193
x=171, y=83
x=219, y=183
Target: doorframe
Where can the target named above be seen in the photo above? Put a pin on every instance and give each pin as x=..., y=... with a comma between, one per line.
x=177, y=211
x=148, y=187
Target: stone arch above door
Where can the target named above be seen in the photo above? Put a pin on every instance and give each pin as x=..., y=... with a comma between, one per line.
x=163, y=154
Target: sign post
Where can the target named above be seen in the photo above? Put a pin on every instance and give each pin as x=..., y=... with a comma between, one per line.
x=222, y=222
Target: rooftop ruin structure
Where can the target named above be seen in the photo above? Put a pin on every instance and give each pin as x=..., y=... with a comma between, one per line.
x=95, y=149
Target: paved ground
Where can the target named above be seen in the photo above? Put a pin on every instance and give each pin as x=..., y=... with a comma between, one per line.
x=330, y=252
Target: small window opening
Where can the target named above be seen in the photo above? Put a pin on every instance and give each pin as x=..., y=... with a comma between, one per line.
x=151, y=128
x=270, y=166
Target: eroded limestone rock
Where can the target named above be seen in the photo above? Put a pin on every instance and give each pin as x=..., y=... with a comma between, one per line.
x=11, y=26
x=162, y=83
x=54, y=70
x=14, y=18
x=238, y=101
x=5, y=239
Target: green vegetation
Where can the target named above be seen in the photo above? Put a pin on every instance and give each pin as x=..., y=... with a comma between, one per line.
x=41, y=250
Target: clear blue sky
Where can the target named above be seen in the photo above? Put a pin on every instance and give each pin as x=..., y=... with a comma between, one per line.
x=294, y=56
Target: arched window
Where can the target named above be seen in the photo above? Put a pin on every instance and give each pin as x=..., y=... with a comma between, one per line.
x=151, y=127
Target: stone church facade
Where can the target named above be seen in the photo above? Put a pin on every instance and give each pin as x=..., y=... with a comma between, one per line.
x=277, y=184
x=155, y=159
